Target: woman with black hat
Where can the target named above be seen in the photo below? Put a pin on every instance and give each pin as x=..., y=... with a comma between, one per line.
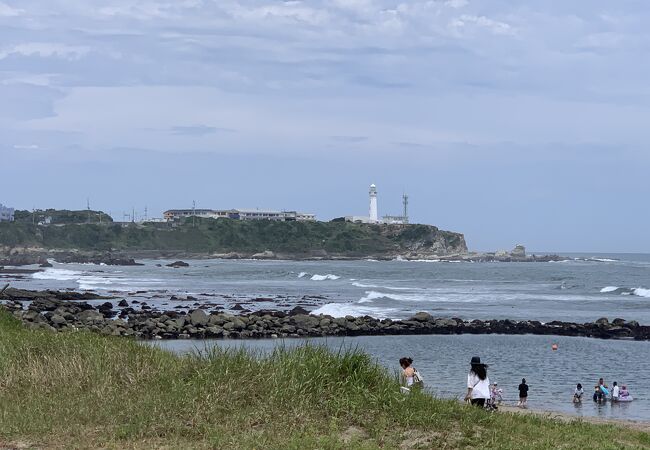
x=478, y=383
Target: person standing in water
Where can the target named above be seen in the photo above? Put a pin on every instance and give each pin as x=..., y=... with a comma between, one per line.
x=578, y=393
x=523, y=393
x=478, y=383
x=615, y=391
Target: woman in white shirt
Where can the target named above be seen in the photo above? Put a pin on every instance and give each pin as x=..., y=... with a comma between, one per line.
x=478, y=383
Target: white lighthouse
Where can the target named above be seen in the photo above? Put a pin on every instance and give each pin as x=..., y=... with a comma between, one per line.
x=373, y=204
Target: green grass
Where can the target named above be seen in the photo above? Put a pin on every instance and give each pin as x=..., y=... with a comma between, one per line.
x=81, y=390
x=225, y=235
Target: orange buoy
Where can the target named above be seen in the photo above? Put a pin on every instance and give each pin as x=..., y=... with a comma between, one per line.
x=554, y=347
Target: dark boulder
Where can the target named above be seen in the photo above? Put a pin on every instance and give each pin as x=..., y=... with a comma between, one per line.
x=177, y=264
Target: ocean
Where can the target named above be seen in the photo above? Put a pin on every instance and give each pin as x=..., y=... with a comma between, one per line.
x=582, y=289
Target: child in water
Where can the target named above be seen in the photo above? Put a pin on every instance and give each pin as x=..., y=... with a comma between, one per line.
x=598, y=394
x=624, y=394
x=577, y=394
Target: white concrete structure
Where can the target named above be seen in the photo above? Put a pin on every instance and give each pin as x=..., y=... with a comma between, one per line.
x=240, y=214
x=6, y=214
x=373, y=216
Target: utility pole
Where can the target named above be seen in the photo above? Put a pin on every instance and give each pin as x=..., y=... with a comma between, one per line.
x=88, y=208
x=33, y=215
x=145, y=213
x=133, y=214
x=193, y=213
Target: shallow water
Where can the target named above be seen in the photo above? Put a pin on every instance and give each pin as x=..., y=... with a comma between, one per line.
x=551, y=375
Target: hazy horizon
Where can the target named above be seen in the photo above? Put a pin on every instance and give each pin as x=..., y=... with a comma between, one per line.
x=507, y=121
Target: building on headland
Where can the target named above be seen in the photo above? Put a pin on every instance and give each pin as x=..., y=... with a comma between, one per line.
x=240, y=214
x=6, y=213
x=373, y=216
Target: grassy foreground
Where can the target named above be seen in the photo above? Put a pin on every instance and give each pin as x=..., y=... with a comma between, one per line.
x=80, y=390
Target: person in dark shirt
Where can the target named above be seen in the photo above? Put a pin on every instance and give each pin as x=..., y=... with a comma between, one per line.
x=523, y=393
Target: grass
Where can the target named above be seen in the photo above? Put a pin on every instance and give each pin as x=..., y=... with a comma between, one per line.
x=81, y=390
x=225, y=235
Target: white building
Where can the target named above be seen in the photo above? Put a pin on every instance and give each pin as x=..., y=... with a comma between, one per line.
x=240, y=214
x=6, y=213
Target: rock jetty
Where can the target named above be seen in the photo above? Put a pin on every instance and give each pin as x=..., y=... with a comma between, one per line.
x=69, y=311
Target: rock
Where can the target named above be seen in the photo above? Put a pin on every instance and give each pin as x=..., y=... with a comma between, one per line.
x=45, y=264
x=90, y=316
x=422, y=317
x=177, y=264
x=298, y=310
x=304, y=321
x=264, y=255
x=603, y=321
x=57, y=319
x=123, y=303
x=198, y=317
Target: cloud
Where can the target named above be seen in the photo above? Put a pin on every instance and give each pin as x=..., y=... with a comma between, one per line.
x=197, y=130
x=25, y=146
x=493, y=26
x=8, y=11
x=46, y=50
x=349, y=139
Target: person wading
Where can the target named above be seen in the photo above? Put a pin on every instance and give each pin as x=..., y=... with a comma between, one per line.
x=478, y=383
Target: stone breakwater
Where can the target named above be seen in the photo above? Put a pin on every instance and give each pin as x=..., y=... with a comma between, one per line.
x=55, y=314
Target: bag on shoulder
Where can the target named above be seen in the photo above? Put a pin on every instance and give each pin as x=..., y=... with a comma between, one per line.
x=417, y=378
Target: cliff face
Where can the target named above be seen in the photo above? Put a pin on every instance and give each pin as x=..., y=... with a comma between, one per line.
x=238, y=239
x=424, y=241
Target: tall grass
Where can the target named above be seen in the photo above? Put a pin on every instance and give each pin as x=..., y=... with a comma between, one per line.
x=84, y=390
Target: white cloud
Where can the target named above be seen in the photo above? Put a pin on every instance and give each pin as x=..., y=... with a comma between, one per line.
x=493, y=26
x=46, y=49
x=456, y=3
x=8, y=11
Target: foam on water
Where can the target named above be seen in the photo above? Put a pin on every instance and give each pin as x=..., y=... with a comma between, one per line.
x=329, y=276
x=353, y=309
x=641, y=292
x=57, y=274
x=609, y=289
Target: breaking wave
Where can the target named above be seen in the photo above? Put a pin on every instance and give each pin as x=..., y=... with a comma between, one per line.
x=354, y=309
x=57, y=274
x=329, y=276
x=609, y=289
x=639, y=292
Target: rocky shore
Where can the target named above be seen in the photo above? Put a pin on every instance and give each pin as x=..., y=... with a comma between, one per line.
x=69, y=311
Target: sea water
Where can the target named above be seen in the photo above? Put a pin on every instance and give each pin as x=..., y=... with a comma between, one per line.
x=580, y=290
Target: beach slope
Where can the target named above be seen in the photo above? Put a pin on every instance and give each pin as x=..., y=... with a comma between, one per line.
x=83, y=390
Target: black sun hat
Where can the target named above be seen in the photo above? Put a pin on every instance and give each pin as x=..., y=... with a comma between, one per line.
x=476, y=360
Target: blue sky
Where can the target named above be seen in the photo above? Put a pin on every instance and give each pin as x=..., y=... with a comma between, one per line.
x=509, y=121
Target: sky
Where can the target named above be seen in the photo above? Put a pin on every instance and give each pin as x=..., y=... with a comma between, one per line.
x=509, y=121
